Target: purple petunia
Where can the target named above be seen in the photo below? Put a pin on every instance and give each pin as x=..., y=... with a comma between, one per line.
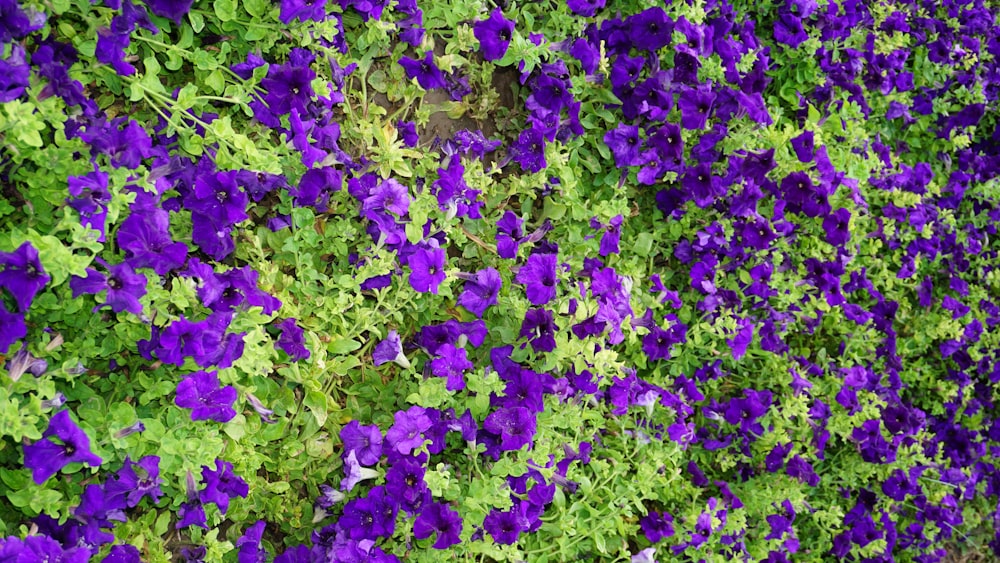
x=390, y=350
x=451, y=364
x=505, y=526
x=480, y=291
x=171, y=9
x=427, y=269
x=539, y=276
x=21, y=273
x=123, y=285
x=365, y=441
x=428, y=75
x=62, y=443
x=200, y=391
x=292, y=340
x=514, y=425
x=494, y=35
x=249, y=545
x=406, y=434
x=440, y=519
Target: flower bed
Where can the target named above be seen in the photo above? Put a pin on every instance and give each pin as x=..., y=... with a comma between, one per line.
x=561, y=281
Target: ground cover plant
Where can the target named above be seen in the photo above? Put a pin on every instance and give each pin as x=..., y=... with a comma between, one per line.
x=567, y=280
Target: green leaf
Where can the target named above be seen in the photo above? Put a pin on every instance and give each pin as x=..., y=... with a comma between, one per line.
x=225, y=9
x=315, y=401
x=197, y=21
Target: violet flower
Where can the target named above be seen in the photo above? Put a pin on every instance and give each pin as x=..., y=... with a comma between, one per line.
x=480, y=291
x=440, y=519
x=62, y=443
x=428, y=75
x=390, y=350
x=406, y=434
x=200, y=391
x=494, y=35
x=427, y=269
x=21, y=273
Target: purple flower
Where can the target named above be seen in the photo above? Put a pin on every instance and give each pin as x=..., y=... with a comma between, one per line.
x=612, y=237
x=369, y=518
x=62, y=443
x=428, y=75
x=136, y=480
x=505, y=526
x=440, y=519
x=514, y=425
x=695, y=105
x=803, y=146
x=389, y=195
x=405, y=484
x=451, y=364
x=123, y=553
x=494, y=35
x=657, y=525
x=585, y=8
x=427, y=269
x=200, y=391
x=123, y=285
x=625, y=145
x=292, y=340
x=406, y=434
x=529, y=150
x=650, y=29
x=509, y=233
x=354, y=473
x=145, y=238
x=249, y=545
x=303, y=10
x=390, y=350
x=12, y=328
x=539, y=328
x=221, y=485
x=539, y=276
x=23, y=362
x=837, y=227
x=22, y=275
x=171, y=9
x=480, y=291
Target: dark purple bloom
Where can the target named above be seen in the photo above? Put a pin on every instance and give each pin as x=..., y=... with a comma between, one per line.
x=249, y=545
x=354, y=473
x=123, y=285
x=62, y=443
x=389, y=195
x=427, y=269
x=625, y=145
x=836, y=226
x=657, y=525
x=539, y=328
x=12, y=328
x=390, y=350
x=505, y=526
x=494, y=35
x=650, y=29
x=803, y=146
x=370, y=517
x=529, y=150
x=585, y=8
x=303, y=10
x=191, y=514
x=201, y=392
x=695, y=105
x=480, y=291
x=22, y=275
x=514, y=425
x=404, y=482
x=428, y=75
x=509, y=233
x=288, y=86
x=406, y=434
x=123, y=553
x=205, y=341
x=538, y=274
x=221, y=485
x=612, y=236
x=440, y=519
x=451, y=364
x=171, y=9
x=145, y=238
x=136, y=480
x=16, y=23
x=292, y=340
